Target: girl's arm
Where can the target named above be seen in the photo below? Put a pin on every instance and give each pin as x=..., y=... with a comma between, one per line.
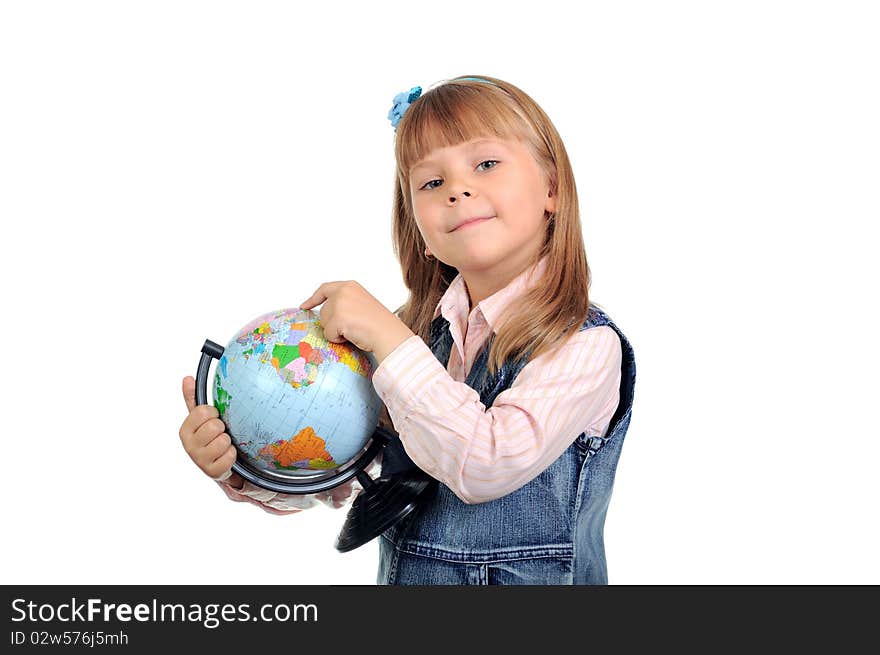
x=281, y=503
x=260, y=497
x=485, y=453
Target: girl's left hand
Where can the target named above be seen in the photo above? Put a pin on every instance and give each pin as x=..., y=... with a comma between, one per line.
x=350, y=313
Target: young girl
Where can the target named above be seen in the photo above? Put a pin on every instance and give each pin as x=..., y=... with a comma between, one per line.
x=500, y=379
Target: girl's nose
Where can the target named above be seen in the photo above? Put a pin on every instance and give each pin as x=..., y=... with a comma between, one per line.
x=464, y=193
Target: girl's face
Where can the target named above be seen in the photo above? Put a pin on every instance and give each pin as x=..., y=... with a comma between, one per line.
x=486, y=177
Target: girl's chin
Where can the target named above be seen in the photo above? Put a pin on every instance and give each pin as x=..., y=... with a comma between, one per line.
x=476, y=262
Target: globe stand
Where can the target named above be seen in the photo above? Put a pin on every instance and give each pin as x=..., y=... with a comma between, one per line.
x=383, y=501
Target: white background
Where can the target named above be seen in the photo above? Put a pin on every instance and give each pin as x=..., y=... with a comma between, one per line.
x=170, y=170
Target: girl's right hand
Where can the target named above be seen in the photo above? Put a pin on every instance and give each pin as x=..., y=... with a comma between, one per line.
x=206, y=442
x=204, y=438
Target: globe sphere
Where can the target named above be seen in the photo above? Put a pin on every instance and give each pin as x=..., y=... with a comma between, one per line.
x=293, y=402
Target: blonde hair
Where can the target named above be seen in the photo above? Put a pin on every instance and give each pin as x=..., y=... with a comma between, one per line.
x=460, y=110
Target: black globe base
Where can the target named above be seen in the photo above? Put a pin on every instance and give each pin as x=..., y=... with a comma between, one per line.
x=382, y=503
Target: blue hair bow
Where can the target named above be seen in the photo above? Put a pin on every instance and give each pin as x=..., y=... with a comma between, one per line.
x=403, y=100
x=401, y=103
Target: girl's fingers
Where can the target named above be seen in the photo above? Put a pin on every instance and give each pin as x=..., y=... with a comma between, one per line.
x=189, y=392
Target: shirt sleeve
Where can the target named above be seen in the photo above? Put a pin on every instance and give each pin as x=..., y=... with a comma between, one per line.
x=281, y=503
x=270, y=501
x=485, y=453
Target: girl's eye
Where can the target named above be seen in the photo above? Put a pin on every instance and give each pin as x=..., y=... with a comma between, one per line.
x=429, y=188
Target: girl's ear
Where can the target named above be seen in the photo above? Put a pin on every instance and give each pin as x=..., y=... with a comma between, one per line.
x=550, y=204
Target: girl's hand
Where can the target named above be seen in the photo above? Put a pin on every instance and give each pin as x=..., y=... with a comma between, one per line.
x=337, y=496
x=351, y=314
x=204, y=438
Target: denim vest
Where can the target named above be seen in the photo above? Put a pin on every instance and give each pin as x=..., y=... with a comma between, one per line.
x=549, y=531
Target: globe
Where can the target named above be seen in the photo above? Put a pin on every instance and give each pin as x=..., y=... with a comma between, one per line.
x=293, y=402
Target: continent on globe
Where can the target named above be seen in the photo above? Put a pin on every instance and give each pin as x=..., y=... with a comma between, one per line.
x=298, y=359
x=305, y=450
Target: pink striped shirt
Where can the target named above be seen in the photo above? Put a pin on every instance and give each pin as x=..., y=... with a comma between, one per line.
x=484, y=453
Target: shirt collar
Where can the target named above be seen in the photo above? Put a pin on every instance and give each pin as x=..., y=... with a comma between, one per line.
x=454, y=302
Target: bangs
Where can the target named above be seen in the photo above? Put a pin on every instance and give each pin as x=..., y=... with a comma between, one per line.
x=451, y=114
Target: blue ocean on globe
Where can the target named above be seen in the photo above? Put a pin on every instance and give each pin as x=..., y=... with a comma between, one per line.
x=292, y=401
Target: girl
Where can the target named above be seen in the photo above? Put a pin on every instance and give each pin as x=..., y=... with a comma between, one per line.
x=500, y=379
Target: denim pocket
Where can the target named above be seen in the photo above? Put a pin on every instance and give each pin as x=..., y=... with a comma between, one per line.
x=534, y=571
x=402, y=568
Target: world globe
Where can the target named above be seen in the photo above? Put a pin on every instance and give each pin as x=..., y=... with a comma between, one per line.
x=293, y=402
